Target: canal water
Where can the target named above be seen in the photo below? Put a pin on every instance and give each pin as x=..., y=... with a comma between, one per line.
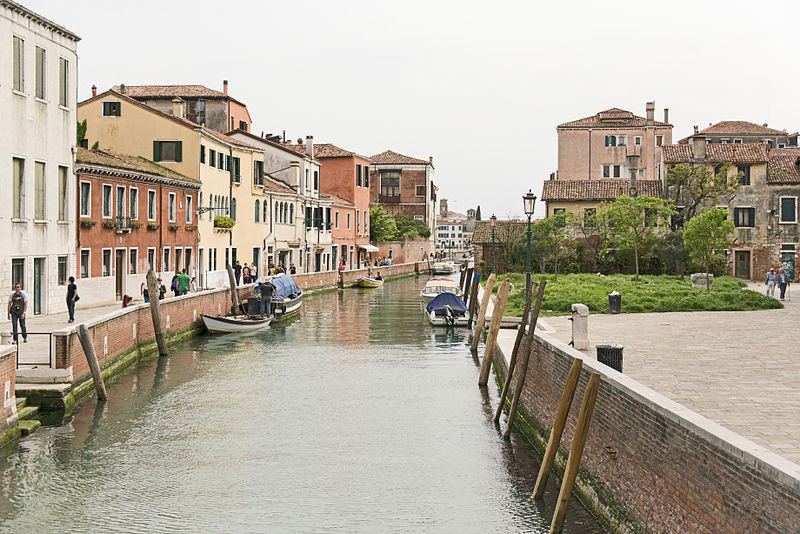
x=356, y=417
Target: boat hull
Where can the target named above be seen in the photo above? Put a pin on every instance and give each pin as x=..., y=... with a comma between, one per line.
x=237, y=323
x=441, y=320
x=369, y=282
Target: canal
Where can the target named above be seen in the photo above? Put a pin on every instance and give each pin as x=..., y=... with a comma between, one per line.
x=356, y=417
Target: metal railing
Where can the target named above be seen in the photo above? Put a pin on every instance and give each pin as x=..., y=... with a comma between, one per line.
x=122, y=224
x=50, y=350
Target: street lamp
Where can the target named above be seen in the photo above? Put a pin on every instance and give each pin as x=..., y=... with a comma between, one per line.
x=493, y=223
x=529, y=201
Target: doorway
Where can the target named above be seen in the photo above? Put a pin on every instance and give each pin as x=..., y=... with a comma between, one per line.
x=38, y=272
x=742, y=264
x=787, y=260
x=119, y=265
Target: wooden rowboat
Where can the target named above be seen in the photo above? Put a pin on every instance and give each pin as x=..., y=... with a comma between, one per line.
x=365, y=281
x=235, y=323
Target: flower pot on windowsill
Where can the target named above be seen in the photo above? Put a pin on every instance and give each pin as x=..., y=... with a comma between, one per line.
x=189, y=227
x=88, y=223
x=134, y=224
x=173, y=227
x=108, y=223
x=153, y=226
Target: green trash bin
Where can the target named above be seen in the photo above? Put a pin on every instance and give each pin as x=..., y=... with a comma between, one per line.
x=610, y=355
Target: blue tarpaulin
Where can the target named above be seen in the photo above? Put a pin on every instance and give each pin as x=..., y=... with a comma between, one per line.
x=284, y=286
x=447, y=299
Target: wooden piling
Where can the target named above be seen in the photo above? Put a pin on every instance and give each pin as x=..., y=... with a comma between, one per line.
x=523, y=371
x=487, y=294
x=517, y=343
x=91, y=358
x=234, y=293
x=575, y=453
x=494, y=328
x=558, y=428
x=467, y=284
x=473, y=297
x=462, y=278
x=155, y=312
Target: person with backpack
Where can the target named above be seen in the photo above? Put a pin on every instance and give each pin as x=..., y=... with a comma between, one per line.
x=17, y=306
x=183, y=283
x=72, y=298
x=173, y=286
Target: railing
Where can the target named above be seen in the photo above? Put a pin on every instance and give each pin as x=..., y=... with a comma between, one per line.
x=389, y=198
x=122, y=224
x=35, y=347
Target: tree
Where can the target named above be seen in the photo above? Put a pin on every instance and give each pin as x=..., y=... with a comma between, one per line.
x=478, y=213
x=81, y=132
x=698, y=185
x=671, y=250
x=548, y=237
x=706, y=233
x=631, y=222
x=411, y=228
x=381, y=226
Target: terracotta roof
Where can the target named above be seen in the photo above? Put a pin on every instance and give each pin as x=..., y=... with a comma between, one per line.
x=717, y=153
x=611, y=118
x=171, y=91
x=340, y=201
x=266, y=141
x=276, y=187
x=324, y=150
x=741, y=128
x=784, y=166
x=597, y=189
x=223, y=137
x=393, y=158
x=504, y=231
x=107, y=158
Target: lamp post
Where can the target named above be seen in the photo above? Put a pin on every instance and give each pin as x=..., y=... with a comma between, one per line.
x=493, y=223
x=529, y=201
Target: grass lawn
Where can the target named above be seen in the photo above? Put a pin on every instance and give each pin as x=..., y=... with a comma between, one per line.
x=650, y=294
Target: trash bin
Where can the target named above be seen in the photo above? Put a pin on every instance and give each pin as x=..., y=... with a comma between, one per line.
x=614, y=302
x=610, y=355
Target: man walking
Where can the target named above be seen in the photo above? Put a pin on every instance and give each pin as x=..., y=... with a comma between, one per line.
x=17, y=306
x=183, y=283
x=783, y=281
x=770, y=283
x=237, y=272
x=72, y=298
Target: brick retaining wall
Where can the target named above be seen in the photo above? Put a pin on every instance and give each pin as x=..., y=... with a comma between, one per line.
x=8, y=378
x=655, y=464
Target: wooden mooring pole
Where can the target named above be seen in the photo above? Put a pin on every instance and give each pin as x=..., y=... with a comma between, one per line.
x=517, y=343
x=487, y=294
x=473, y=297
x=558, y=428
x=575, y=453
x=155, y=312
x=234, y=293
x=91, y=358
x=494, y=328
x=467, y=284
x=526, y=357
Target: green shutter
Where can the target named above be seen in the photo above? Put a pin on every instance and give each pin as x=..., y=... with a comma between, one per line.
x=179, y=151
x=261, y=173
x=156, y=151
x=118, y=109
x=236, y=169
x=736, y=216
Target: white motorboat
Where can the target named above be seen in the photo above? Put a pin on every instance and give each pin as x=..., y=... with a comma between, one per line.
x=437, y=286
x=447, y=309
x=234, y=323
x=444, y=267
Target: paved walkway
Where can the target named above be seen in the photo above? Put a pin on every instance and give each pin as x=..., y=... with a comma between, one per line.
x=739, y=369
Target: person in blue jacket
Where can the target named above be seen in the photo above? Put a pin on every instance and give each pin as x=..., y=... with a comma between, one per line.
x=783, y=282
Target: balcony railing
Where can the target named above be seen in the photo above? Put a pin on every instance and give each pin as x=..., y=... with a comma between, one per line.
x=122, y=224
x=389, y=198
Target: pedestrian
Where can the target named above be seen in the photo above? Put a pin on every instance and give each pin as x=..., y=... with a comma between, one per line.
x=173, y=285
x=341, y=265
x=72, y=298
x=281, y=268
x=379, y=277
x=183, y=283
x=146, y=294
x=17, y=307
x=237, y=272
x=292, y=269
x=162, y=291
x=246, y=273
x=783, y=282
x=266, y=290
x=193, y=285
x=770, y=283
x=126, y=301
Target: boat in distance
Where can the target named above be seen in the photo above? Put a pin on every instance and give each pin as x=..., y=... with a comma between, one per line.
x=437, y=286
x=366, y=281
x=234, y=323
x=444, y=267
x=446, y=309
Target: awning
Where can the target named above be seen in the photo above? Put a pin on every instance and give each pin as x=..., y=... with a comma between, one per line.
x=368, y=247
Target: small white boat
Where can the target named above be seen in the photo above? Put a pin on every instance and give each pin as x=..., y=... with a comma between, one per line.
x=445, y=267
x=437, y=286
x=447, y=309
x=234, y=323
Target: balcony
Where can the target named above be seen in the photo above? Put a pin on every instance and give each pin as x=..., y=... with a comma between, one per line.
x=383, y=199
x=123, y=225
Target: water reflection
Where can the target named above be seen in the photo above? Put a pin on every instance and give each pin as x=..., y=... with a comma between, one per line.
x=357, y=417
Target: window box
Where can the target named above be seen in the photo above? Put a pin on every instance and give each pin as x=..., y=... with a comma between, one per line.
x=134, y=224
x=88, y=223
x=223, y=223
x=153, y=226
x=108, y=223
x=189, y=227
x=173, y=227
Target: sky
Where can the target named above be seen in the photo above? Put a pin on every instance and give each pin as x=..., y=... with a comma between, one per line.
x=480, y=86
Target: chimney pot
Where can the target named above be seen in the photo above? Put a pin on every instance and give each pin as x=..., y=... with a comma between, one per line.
x=310, y=145
x=122, y=88
x=430, y=159
x=178, y=107
x=696, y=129
x=650, y=107
x=699, y=148
x=225, y=87
x=94, y=90
x=666, y=115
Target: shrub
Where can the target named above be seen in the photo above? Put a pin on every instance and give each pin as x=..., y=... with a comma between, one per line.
x=223, y=222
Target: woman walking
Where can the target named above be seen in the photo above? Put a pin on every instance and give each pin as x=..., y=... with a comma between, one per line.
x=72, y=298
x=783, y=282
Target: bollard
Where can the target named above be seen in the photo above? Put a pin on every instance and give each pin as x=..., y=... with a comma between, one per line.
x=580, y=326
x=234, y=294
x=88, y=349
x=6, y=337
x=494, y=328
x=155, y=312
x=487, y=294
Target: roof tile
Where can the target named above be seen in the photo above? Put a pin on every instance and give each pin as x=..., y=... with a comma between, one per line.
x=107, y=158
x=393, y=158
x=718, y=153
x=597, y=189
x=611, y=118
x=784, y=166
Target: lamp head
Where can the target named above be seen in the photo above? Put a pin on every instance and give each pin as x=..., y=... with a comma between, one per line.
x=493, y=221
x=529, y=201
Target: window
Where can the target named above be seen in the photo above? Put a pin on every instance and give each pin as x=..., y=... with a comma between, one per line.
x=228, y=163
x=420, y=190
x=366, y=226
x=724, y=141
x=151, y=258
x=39, y=193
x=745, y=172
x=62, y=270
x=257, y=212
x=171, y=208
x=590, y=217
x=258, y=172
x=358, y=221
x=18, y=189
x=86, y=263
x=611, y=140
x=189, y=211
x=106, y=262
x=316, y=180
x=659, y=140
x=641, y=173
x=418, y=218
x=744, y=217
x=243, y=126
x=348, y=221
x=212, y=158
x=358, y=175
x=788, y=209
x=237, y=177
x=63, y=82
x=19, y=65
x=366, y=176
x=202, y=154
x=307, y=184
x=390, y=183
x=111, y=109
x=622, y=140
x=120, y=204
x=86, y=199
x=133, y=255
x=328, y=218
x=220, y=161
x=106, y=201
x=637, y=140
x=264, y=218
x=559, y=210
x=168, y=151
x=291, y=213
x=233, y=209
x=612, y=171
x=151, y=205
x=737, y=141
x=41, y=70
x=165, y=265
x=133, y=197
x=178, y=259
x=337, y=220
x=63, y=205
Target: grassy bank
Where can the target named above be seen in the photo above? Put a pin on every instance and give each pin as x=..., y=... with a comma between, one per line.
x=650, y=294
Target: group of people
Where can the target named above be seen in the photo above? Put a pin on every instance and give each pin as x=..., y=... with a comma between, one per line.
x=780, y=279
x=245, y=273
x=435, y=256
x=383, y=261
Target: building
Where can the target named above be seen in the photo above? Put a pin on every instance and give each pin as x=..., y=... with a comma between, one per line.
x=207, y=107
x=506, y=233
x=764, y=209
x=227, y=231
x=39, y=87
x=582, y=197
x=134, y=215
x=404, y=185
x=742, y=132
x=344, y=232
x=452, y=234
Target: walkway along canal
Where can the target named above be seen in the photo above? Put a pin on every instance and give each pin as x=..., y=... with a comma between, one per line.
x=356, y=417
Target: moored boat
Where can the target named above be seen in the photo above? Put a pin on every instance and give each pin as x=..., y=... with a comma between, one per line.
x=437, y=286
x=235, y=323
x=446, y=309
x=444, y=267
x=286, y=301
x=366, y=281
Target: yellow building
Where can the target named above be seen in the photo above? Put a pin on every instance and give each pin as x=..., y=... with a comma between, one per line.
x=230, y=170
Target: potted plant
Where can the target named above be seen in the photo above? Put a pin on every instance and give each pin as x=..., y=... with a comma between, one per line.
x=88, y=223
x=108, y=223
x=189, y=227
x=223, y=223
x=173, y=227
x=152, y=225
x=134, y=224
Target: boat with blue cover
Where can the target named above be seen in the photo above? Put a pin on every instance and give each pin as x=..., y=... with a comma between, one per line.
x=447, y=309
x=287, y=300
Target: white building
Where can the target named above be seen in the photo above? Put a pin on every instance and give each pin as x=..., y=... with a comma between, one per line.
x=453, y=232
x=38, y=95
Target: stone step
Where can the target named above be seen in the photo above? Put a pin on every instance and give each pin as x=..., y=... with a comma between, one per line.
x=27, y=412
x=29, y=425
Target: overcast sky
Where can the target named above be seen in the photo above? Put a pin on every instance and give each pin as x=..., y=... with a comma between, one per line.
x=479, y=86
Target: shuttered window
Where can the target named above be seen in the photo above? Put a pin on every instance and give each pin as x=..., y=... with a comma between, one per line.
x=41, y=71
x=788, y=209
x=63, y=210
x=366, y=176
x=111, y=109
x=745, y=172
x=237, y=177
x=258, y=172
x=39, y=192
x=212, y=157
x=744, y=217
x=167, y=151
x=358, y=175
x=63, y=82
x=202, y=154
x=19, y=64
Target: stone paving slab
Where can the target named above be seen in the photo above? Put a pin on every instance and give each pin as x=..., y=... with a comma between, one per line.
x=739, y=369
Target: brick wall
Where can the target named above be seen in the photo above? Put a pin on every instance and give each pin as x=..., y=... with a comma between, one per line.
x=670, y=469
x=8, y=382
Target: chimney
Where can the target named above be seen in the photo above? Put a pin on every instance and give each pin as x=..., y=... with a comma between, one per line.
x=430, y=159
x=310, y=146
x=699, y=148
x=94, y=90
x=651, y=113
x=633, y=167
x=443, y=208
x=122, y=88
x=178, y=107
x=696, y=129
x=225, y=87
x=552, y=176
x=294, y=173
x=666, y=115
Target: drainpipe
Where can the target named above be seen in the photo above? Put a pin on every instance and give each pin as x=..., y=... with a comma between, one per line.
x=590, y=153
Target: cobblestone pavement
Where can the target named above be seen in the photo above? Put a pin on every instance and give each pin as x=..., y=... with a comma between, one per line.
x=739, y=369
